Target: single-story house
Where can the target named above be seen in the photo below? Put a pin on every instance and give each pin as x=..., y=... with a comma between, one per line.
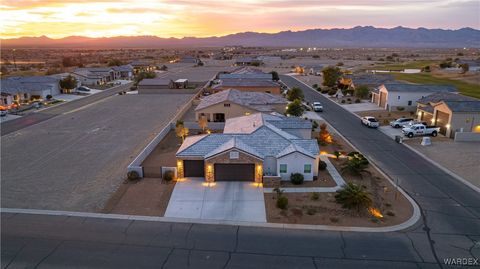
x=142, y=66
x=451, y=112
x=371, y=80
x=246, y=73
x=391, y=96
x=24, y=89
x=249, y=148
x=124, y=71
x=252, y=85
x=233, y=103
x=244, y=61
x=95, y=75
x=6, y=99
x=154, y=85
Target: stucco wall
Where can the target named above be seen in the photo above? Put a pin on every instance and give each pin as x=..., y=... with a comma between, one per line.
x=393, y=101
x=230, y=112
x=295, y=164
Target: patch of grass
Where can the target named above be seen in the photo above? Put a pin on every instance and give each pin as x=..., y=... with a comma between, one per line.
x=425, y=78
x=405, y=65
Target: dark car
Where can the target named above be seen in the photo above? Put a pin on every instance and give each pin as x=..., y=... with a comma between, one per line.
x=83, y=89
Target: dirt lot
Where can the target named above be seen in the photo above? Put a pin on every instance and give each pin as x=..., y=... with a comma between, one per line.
x=146, y=197
x=384, y=117
x=303, y=209
x=162, y=155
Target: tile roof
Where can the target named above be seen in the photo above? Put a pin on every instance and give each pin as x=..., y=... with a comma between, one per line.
x=463, y=106
x=154, y=82
x=15, y=85
x=263, y=140
x=370, y=79
x=255, y=100
x=445, y=96
x=247, y=82
x=405, y=87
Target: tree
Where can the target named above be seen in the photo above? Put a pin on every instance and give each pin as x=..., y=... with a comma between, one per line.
x=465, y=67
x=426, y=69
x=181, y=130
x=295, y=94
x=275, y=76
x=203, y=123
x=356, y=164
x=331, y=75
x=295, y=108
x=140, y=76
x=68, y=83
x=114, y=62
x=352, y=196
x=324, y=135
x=362, y=91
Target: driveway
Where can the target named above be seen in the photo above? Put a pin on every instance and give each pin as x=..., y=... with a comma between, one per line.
x=366, y=106
x=392, y=132
x=234, y=201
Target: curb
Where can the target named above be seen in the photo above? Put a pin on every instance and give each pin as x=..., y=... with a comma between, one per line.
x=393, y=228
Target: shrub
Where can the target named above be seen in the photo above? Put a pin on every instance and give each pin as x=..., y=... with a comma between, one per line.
x=296, y=178
x=315, y=196
x=324, y=90
x=352, y=196
x=315, y=86
x=133, y=175
x=337, y=154
x=168, y=175
x=334, y=219
x=49, y=97
x=357, y=101
x=390, y=213
x=349, y=100
x=343, y=101
x=311, y=211
x=282, y=202
x=332, y=92
x=322, y=165
x=400, y=108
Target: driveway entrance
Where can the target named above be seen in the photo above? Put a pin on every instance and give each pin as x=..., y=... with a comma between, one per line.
x=235, y=201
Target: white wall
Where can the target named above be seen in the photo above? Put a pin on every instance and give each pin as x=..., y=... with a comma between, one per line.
x=295, y=162
x=394, y=101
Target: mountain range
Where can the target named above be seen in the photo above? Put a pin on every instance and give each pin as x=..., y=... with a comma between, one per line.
x=360, y=36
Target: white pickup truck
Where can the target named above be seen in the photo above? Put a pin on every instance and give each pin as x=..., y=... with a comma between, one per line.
x=420, y=129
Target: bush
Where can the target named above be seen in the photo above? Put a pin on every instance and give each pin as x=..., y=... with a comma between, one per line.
x=332, y=92
x=400, y=108
x=311, y=211
x=282, y=202
x=49, y=97
x=324, y=90
x=349, y=100
x=315, y=196
x=315, y=86
x=133, y=175
x=343, y=101
x=390, y=213
x=357, y=101
x=296, y=178
x=168, y=175
x=352, y=196
x=322, y=165
x=337, y=154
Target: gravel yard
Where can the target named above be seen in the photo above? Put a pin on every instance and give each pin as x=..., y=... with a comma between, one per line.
x=75, y=161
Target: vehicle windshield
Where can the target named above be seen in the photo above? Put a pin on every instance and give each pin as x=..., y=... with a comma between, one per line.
x=372, y=120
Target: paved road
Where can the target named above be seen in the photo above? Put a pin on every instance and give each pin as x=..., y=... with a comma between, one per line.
x=34, y=118
x=450, y=227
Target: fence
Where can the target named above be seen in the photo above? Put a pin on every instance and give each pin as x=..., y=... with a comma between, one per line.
x=467, y=137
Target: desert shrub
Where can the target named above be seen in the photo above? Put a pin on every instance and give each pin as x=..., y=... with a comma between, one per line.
x=349, y=100
x=400, y=108
x=296, y=178
x=390, y=213
x=343, y=101
x=334, y=219
x=314, y=125
x=48, y=97
x=133, y=175
x=311, y=211
x=356, y=164
x=282, y=202
x=324, y=90
x=315, y=86
x=357, y=101
x=332, y=92
x=322, y=165
x=315, y=196
x=168, y=175
x=337, y=154
x=352, y=196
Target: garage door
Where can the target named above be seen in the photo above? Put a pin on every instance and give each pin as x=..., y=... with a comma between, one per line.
x=441, y=121
x=383, y=99
x=194, y=168
x=234, y=172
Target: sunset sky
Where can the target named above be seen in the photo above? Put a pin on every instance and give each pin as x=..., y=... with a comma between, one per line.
x=181, y=18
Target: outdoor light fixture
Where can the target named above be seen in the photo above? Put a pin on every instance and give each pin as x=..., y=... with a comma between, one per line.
x=447, y=126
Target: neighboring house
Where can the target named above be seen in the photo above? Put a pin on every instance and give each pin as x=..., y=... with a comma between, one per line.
x=315, y=70
x=95, y=75
x=245, y=61
x=6, y=99
x=392, y=96
x=24, y=89
x=124, y=71
x=154, y=85
x=371, y=80
x=142, y=66
x=249, y=148
x=246, y=73
x=252, y=85
x=451, y=112
x=233, y=103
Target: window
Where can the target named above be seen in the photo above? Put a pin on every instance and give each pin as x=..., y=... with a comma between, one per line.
x=409, y=103
x=283, y=168
x=398, y=97
x=226, y=105
x=307, y=168
x=234, y=155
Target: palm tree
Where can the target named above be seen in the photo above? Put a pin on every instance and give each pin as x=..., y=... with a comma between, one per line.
x=356, y=164
x=353, y=196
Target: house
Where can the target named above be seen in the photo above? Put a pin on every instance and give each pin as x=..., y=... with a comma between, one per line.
x=154, y=85
x=249, y=148
x=233, y=103
x=245, y=61
x=371, y=80
x=95, y=75
x=246, y=72
x=451, y=112
x=25, y=89
x=124, y=71
x=315, y=70
x=142, y=66
x=6, y=100
x=403, y=96
x=247, y=84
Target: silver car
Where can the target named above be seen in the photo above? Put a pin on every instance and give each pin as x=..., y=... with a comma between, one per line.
x=401, y=122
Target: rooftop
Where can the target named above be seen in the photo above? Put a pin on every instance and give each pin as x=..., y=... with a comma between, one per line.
x=15, y=85
x=247, y=82
x=445, y=96
x=463, y=106
x=255, y=100
x=154, y=82
x=405, y=87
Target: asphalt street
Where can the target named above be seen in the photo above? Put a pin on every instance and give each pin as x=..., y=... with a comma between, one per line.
x=43, y=115
x=449, y=227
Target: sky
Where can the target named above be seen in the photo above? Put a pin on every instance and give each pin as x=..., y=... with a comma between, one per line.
x=180, y=18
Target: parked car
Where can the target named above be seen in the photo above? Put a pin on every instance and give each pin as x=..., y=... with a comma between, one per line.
x=317, y=107
x=3, y=113
x=370, y=122
x=401, y=122
x=420, y=129
x=83, y=89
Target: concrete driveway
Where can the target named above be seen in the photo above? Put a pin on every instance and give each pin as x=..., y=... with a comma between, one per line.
x=236, y=201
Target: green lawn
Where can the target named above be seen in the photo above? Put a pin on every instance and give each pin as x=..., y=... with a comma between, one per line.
x=426, y=78
x=405, y=65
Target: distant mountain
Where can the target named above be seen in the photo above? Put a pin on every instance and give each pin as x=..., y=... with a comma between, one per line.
x=359, y=36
